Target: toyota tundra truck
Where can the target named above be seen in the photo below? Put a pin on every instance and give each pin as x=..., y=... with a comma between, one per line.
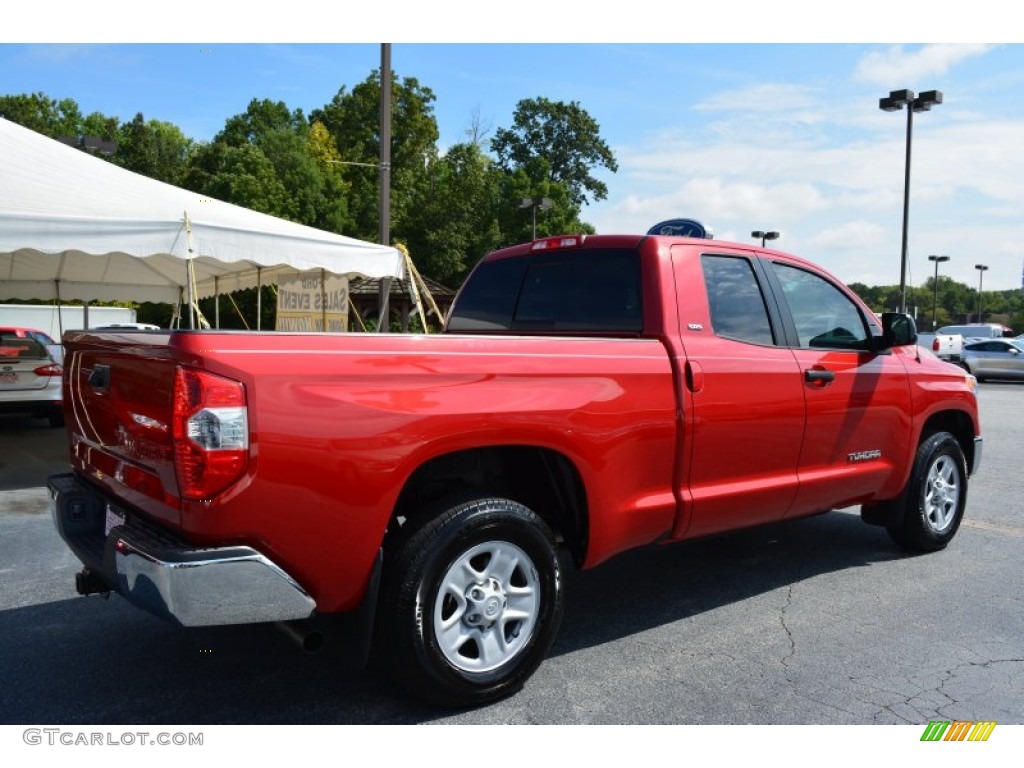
x=589, y=395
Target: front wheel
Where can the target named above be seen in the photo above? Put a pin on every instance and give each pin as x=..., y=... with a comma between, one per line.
x=935, y=497
x=471, y=601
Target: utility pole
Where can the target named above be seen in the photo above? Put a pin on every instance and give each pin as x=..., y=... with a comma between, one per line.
x=384, y=287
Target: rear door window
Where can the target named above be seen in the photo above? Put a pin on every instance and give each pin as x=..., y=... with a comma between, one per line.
x=735, y=300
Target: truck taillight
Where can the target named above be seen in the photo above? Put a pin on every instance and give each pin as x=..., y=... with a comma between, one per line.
x=935, y=344
x=211, y=432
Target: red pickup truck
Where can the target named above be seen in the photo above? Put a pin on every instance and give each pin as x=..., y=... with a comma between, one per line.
x=590, y=394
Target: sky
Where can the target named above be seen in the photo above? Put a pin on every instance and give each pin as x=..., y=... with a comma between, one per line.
x=740, y=119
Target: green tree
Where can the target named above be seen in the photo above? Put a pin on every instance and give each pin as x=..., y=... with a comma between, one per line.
x=155, y=149
x=353, y=119
x=283, y=167
x=453, y=221
x=566, y=137
x=261, y=117
x=241, y=175
x=516, y=217
x=104, y=126
x=54, y=118
x=332, y=213
x=36, y=111
x=67, y=119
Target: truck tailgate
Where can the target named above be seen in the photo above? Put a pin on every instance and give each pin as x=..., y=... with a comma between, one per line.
x=119, y=408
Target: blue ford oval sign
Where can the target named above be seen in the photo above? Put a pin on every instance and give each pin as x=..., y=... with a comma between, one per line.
x=681, y=228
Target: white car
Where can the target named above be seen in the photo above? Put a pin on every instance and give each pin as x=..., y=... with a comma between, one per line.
x=30, y=379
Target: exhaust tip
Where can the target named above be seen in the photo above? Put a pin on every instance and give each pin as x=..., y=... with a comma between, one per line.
x=308, y=639
x=88, y=583
x=313, y=642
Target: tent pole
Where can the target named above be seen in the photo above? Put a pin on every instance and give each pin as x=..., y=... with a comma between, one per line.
x=216, y=305
x=60, y=320
x=189, y=274
x=259, y=297
x=323, y=299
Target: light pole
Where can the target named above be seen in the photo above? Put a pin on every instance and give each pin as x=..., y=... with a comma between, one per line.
x=981, y=273
x=935, y=285
x=765, y=235
x=895, y=101
x=536, y=202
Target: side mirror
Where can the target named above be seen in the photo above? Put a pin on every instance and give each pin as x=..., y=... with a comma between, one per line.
x=898, y=330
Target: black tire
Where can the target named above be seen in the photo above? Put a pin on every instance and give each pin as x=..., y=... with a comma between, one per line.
x=470, y=602
x=935, y=497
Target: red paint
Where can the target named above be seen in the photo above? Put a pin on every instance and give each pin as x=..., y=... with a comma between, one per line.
x=675, y=432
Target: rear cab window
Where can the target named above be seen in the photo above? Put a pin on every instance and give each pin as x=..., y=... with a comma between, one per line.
x=586, y=291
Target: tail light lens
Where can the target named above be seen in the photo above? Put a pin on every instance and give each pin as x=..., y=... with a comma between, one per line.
x=558, y=243
x=47, y=370
x=935, y=344
x=211, y=433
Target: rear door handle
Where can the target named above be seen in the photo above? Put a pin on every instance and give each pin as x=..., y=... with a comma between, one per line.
x=815, y=375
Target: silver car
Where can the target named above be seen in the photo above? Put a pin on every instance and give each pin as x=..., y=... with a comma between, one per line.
x=30, y=379
x=995, y=359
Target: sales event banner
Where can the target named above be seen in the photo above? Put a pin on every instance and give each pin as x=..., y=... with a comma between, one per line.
x=313, y=301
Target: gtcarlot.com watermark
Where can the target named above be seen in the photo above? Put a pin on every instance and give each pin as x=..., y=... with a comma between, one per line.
x=70, y=738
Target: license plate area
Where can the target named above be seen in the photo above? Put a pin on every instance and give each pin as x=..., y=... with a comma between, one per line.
x=8, y=377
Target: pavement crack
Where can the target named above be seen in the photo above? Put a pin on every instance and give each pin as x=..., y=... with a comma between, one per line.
x=789, y=633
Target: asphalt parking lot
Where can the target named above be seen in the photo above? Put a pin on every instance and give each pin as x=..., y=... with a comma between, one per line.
x=818, y=621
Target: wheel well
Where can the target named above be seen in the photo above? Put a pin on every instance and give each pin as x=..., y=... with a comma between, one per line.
x=958, y=424
x=543, y=480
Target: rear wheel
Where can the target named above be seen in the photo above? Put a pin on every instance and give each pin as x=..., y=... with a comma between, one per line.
x=473, y=599
x=935, y=498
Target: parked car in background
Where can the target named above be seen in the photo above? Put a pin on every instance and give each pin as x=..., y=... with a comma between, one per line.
x=948, y=346
x=29, y=333
x=127, y=327
x=30, y=378
x=978, y=330
x=995, y=359
x=52, y=346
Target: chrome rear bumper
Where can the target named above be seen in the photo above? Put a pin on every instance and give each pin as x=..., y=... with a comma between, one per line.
x=163, y=575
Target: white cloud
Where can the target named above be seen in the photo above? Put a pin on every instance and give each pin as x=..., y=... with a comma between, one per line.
x=765, y=97
x=851, y=235
x=838, y=201
x=897, y=65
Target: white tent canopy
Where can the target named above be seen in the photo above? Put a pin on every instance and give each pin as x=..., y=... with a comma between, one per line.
x=73, y=226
